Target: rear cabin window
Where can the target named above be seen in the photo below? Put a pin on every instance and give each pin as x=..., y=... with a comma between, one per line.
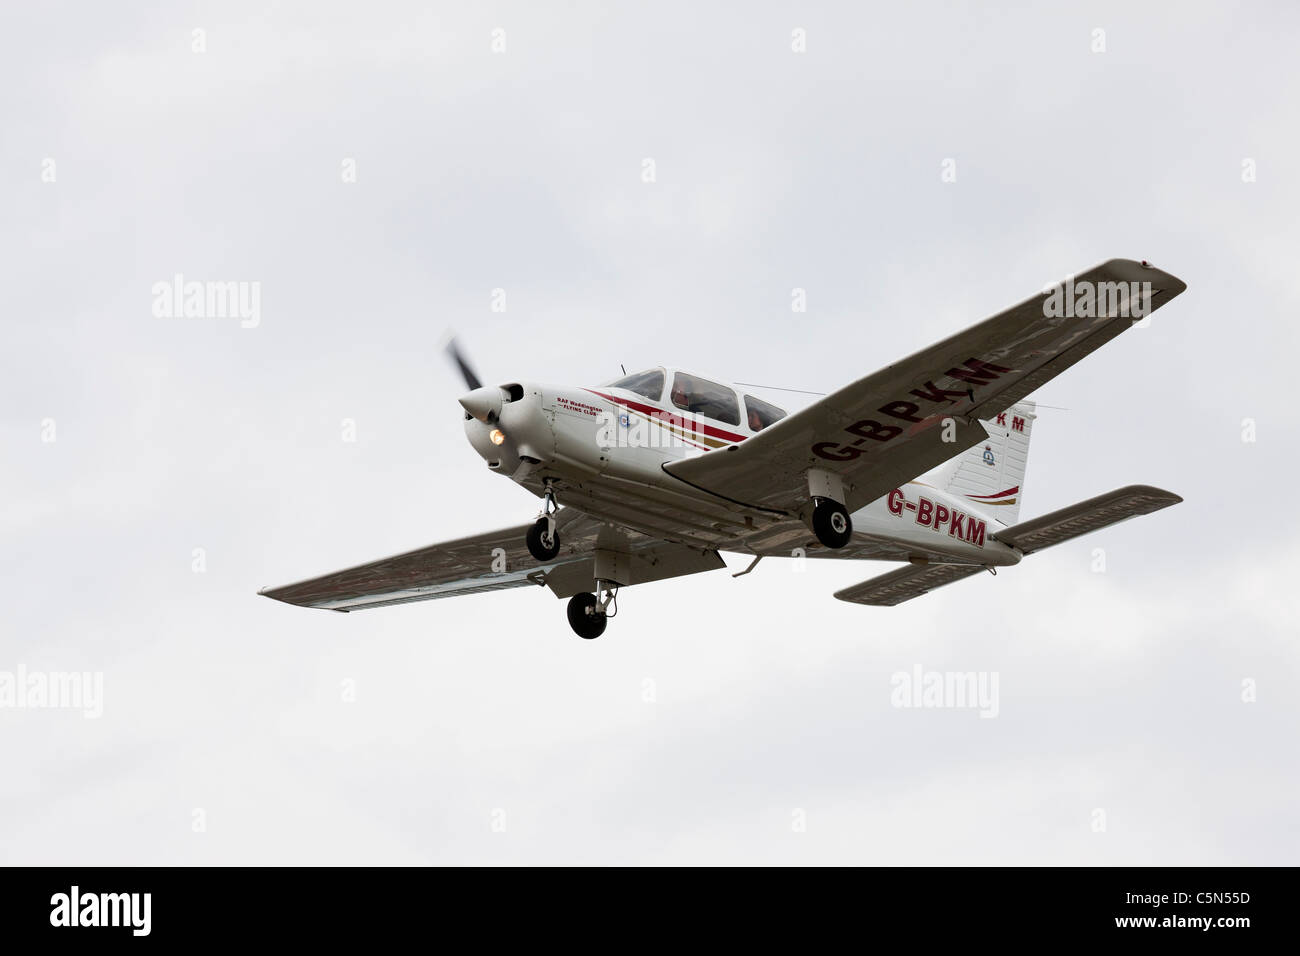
x=646, y=384
x=702, y=397
x=760, y=414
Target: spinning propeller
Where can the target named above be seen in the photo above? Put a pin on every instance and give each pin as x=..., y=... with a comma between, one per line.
x=482, y=402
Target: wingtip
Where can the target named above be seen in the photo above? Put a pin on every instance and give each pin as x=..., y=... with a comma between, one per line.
x=1153, y=491
x=1145, y=270
x=1163, y=497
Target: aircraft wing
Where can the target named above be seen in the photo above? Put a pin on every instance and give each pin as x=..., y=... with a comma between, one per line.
x=493, y=562
x=888, y=428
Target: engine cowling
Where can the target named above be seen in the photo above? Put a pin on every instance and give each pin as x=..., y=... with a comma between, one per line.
x=509, y=428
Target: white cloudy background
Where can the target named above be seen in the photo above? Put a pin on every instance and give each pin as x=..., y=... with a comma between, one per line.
x=1120, y=691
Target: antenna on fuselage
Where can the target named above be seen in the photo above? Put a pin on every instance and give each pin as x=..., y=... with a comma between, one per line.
x=778, y=388
x=800, y=391
x=620, y=365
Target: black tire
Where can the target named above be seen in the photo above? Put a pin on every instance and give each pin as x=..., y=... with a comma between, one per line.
x=538, y=541
x=586, y=626
x=831, y=523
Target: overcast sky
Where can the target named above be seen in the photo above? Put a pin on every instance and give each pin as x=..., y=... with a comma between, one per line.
x=717, y=720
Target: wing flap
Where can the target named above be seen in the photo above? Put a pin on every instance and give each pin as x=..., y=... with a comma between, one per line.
x=904, y=584
x=652, y=564
x=1086, y=516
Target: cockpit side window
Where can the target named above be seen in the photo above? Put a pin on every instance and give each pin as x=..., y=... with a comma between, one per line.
x=648, y=384
x=761, y=414
x=702, y=397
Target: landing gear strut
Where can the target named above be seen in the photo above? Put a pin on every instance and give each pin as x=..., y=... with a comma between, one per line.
x=543, y=538
x=829, y=519
x=588, y=614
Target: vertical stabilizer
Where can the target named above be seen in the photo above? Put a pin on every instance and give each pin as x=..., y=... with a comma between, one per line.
x=991, y=476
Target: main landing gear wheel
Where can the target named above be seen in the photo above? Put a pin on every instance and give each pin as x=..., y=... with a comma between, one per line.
x=543, y=539
x=586, y=617
x=831, y=523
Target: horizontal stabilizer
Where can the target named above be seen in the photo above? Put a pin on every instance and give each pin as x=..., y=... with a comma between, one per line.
x=906, y=583
x=1086, y=516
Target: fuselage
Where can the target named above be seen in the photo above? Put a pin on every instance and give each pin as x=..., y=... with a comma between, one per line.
x=603, y=451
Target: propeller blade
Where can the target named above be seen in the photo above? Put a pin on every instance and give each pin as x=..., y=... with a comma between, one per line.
x=472, y=381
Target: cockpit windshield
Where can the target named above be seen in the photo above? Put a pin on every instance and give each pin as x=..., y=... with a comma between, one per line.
x=648, y=384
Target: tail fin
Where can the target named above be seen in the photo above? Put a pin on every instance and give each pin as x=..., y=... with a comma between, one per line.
x=991, y=476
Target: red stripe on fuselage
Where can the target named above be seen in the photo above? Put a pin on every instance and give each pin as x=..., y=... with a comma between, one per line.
x=1000, y=494
x=670, y=418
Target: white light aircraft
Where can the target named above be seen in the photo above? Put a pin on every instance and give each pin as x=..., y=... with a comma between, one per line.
x=922, y=462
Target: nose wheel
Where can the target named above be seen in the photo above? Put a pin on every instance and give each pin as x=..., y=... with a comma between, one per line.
x=543, y=538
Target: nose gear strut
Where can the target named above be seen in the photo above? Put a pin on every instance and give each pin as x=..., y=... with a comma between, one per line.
x=543, y=537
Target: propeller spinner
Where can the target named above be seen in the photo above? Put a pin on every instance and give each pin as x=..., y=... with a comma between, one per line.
x=482, y=402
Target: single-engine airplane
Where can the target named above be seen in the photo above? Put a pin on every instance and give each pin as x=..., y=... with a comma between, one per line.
x=922, y=462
